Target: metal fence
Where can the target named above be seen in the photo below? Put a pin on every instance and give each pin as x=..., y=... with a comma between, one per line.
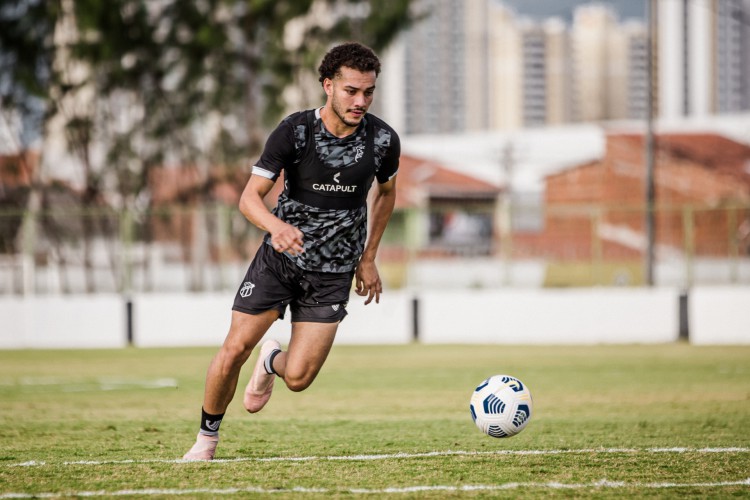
x=194, y=249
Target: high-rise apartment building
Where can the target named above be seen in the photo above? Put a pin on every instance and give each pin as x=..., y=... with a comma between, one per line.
x=636, y=38
x=519, y=64
x=477, y=65
x=434, y=69
x=732, y=18
x=476, y=69
x=505, y=70
x=558, y=76
x=608, y=65
x=591, y=37
x=703, y=54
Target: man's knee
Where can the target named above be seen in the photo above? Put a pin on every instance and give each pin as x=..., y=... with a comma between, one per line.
x=235, y=353
x=298, y=382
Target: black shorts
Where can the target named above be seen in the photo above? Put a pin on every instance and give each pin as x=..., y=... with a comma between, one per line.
x=273, y=281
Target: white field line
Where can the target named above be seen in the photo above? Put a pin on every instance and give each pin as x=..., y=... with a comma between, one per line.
x=601, y=484
x=388, y=456
x=96, y=384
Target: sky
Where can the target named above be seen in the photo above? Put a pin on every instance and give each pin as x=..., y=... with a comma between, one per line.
x=541, y=9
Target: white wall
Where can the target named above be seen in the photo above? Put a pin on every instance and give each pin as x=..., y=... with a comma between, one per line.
x=717, y=315
x=389, y=322
x=92, y=321
x=161, y=320
x=165, y=320
x=533, y=316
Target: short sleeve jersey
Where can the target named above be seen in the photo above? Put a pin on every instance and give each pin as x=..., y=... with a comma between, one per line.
x=334, y=227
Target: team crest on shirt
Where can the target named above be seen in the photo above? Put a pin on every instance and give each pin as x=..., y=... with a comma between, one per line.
x=247, y=289
x=359, y=152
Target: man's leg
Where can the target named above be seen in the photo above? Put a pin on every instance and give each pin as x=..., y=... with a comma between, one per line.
x=223, y=372
x=298, y=366
x=308, y=350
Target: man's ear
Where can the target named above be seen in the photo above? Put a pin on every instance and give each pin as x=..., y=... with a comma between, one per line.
x=328, y=86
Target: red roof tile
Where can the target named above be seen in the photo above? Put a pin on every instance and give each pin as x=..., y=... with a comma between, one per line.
x=710, y=150
x=418, y=178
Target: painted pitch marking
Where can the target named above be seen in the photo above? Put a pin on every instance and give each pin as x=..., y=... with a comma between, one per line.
x=601, y=484
x=388, y=456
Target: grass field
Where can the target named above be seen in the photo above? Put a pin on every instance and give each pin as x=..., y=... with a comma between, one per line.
x=663, y=421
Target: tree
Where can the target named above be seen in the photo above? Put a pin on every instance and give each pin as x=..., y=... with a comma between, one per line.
x=199, y=82
x=178, y=82
x=138, y=84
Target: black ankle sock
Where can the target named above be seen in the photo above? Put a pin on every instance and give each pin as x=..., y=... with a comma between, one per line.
x=210, y=423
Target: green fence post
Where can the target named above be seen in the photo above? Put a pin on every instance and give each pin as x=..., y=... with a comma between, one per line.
x=28, y=242
x=223, y=229
x=734, y=247
x=688, y=224
x=126, y=240
x=597, y=252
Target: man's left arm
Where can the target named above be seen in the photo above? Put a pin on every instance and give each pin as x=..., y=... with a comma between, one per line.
x=367, y=276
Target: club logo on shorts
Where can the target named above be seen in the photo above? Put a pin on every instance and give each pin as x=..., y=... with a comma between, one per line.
x=247, y=289
x=335, y=307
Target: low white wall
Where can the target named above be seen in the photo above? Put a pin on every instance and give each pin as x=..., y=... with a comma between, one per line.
x=91, y=321
x=171, y=320
x=535, y=316
x=719, y=315
x=509, y=316
x=389, y=322
x=162, y=320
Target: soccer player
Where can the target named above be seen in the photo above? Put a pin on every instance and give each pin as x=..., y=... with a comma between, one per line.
x=317, y=239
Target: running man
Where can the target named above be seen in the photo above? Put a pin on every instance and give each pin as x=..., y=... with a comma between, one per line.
x=317, y=239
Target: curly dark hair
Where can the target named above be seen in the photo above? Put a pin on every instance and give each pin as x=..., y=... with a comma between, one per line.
x=352, y=55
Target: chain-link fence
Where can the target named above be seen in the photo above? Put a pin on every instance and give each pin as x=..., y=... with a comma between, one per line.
x=192, y=249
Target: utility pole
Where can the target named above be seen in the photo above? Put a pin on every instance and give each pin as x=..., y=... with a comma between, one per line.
x=649, y=159
x=507, y=161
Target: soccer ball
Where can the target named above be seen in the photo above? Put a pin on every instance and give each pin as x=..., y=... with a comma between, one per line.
x=501, y=406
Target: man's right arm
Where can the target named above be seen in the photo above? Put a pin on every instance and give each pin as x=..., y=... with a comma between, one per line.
x=278, y=151
x=284, y=237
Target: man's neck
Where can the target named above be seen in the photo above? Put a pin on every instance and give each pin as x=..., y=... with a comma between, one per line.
x=334, y=125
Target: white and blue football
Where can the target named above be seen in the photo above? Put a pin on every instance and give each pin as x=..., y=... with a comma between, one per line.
x=501, y=406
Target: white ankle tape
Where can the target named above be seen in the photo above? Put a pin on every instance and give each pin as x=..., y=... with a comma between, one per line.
x=268, y=363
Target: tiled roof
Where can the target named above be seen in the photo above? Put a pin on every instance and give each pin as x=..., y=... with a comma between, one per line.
x=418, y=178
x=710, y=150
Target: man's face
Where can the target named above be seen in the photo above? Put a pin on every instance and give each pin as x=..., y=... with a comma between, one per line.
x=350, y=94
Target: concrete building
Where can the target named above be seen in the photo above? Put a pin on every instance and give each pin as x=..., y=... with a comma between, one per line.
x=591, y=39
x=704, y=172
x=476, y=65
x=703, y=54
x=558, y=72
x=530, y=77
x=506, y=70
x=434, y=69
x=477, y=92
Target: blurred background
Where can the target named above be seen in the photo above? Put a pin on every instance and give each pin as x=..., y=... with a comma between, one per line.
x=545, y=143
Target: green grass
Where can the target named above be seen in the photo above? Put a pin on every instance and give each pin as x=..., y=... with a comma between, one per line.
x=603, y=416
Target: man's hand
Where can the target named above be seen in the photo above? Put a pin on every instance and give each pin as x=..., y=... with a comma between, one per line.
x=286, y=237
x=368, y=281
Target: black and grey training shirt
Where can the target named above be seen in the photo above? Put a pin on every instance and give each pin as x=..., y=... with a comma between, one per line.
x=326, y=186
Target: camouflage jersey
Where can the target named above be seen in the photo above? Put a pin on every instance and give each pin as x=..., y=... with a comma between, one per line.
x=326, y=186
